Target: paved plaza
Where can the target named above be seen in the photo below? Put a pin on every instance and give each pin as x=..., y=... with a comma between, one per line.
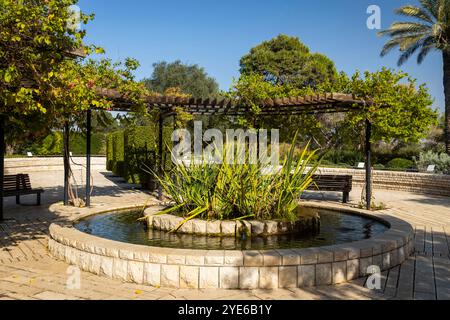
x=27, y=271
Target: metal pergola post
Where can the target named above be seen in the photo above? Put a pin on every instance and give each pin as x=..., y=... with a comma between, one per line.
x=66, y=156
x=2, y=162
x=368, y=151
x=88, y=157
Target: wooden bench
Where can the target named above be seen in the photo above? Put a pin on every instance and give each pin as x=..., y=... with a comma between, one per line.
x=339, y=183
x=19, y=185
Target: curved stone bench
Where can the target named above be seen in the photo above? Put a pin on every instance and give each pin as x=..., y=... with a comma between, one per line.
x=264, y=269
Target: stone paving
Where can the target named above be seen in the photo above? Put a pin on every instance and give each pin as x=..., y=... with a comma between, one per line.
x=28, y=272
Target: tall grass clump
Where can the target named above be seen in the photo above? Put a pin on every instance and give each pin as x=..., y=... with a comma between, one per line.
x=233, y=191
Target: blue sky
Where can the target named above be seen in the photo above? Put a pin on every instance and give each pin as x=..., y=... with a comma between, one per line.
x=216, y=34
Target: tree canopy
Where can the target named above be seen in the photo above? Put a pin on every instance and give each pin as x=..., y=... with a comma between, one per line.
x=190, y=79
x=429, y=31
x=286, y=60
x=401, y=109
x=34, y=40
x=42, y=84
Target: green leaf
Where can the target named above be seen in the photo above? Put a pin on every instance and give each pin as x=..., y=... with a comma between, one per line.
x=7, y=77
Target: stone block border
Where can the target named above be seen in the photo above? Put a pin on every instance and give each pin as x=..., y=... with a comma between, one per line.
x=205, y=269
x=168, y=222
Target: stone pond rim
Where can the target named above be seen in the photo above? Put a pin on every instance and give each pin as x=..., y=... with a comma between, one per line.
x=206, y=269
x=308, y=221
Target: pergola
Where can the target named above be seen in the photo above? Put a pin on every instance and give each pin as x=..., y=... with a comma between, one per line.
x=167, y=106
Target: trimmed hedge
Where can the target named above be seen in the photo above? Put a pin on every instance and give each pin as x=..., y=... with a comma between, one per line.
x=118, y=154
x=140, y=157
x=347, y=157
x=132, y=153
x=78, y=143
x=400, y=163
x=52, y=145
x=109, y=152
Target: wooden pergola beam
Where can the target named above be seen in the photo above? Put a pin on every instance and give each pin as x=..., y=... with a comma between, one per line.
x=325, y=102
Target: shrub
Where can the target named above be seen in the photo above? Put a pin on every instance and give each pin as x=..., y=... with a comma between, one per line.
x=379, y=166
x=78, y=143
x=118, y=154
x=409, y=151
x=50, y=145
x=140, y=144
x=239, y=191
x=327, y=163
x=441, y=161
x=400, y=163
x=109, y=152
x=53, y=144
x=343, y=165
x=344, y=156
x=129, y=151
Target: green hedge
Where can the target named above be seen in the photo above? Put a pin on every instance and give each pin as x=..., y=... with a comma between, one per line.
x=78, y=143
x=118, y=154
x=109, y=152
x=400, y=163
x=132, y=153
x=345, y=157
x=140, y=157
x=52, y=145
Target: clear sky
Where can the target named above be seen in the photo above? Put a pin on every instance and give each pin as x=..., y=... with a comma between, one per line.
x=216, y=34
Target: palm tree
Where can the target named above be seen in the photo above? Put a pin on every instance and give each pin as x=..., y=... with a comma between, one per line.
x=430, y=31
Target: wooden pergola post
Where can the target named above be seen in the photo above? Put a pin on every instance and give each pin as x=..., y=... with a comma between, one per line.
x=88, y=157
x=160, y=152
x=368, y=151
x=66, y=159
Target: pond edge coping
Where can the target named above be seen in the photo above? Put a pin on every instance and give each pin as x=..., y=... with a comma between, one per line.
x=248, y=269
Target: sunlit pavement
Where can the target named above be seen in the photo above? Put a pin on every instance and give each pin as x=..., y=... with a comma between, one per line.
x=28, y=272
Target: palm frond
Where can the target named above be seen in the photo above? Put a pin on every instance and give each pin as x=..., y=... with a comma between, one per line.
x=400, y=41
x=442, y=10
x=415, y=12
x=428, y=46
x=431, y=6
x=407, y=52
x=427, y=34
x=401, y=28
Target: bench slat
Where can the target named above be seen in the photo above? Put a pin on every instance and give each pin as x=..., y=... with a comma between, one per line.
x=20, y=184
x=340, y=183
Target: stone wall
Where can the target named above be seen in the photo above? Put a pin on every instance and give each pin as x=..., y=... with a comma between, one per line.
x=433, y=184
x=38, y=164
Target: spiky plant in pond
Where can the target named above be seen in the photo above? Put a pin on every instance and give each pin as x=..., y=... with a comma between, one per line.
x=430, y=31
x=237, y=191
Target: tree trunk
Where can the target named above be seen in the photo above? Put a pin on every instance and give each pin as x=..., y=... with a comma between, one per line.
x=10, y=149
x=446, y=56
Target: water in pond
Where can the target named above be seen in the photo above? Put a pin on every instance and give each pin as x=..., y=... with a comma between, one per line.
x=336, y=228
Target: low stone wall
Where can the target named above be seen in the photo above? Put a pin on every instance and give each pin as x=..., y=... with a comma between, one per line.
x=38, y=164
x=205, y=269
x=433, y=184
x=167, y=222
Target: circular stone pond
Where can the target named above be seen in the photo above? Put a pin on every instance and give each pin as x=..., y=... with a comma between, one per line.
x=349, y=241
x=335, y=228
